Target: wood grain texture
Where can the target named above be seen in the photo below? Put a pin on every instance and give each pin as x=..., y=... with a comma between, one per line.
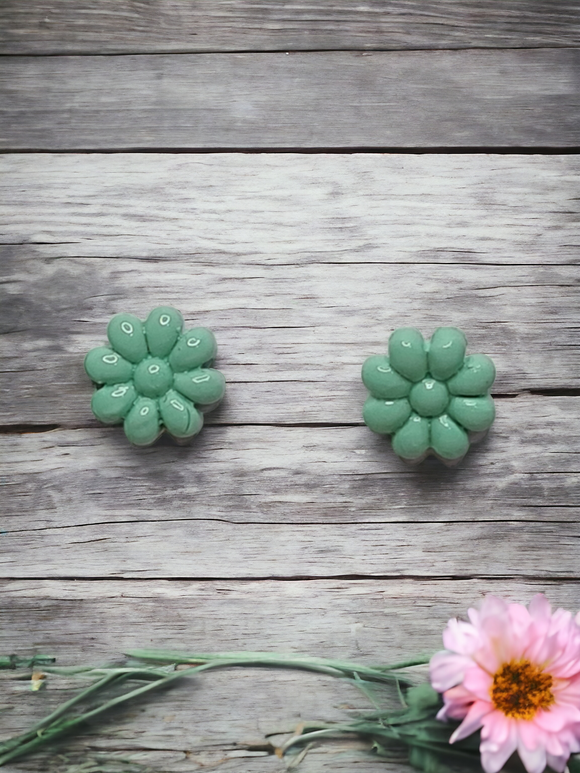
x=146, y=26
x=218, y=548
x=74, y=480
x=221, y=720
x=292, y=208
x=452, y=99
x=333, y=253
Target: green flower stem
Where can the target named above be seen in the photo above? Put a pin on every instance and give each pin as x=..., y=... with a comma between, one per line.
x=336, y=668
x=378, y=731
x=13, y=661
x=55, y=724
x=23, y=744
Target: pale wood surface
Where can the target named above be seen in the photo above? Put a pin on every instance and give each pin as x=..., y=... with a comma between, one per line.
x=266, y=209
x=121, y=26
x=287, y=525
x=410, y=99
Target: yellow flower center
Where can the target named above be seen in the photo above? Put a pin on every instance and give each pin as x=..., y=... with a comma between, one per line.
x=520, y=689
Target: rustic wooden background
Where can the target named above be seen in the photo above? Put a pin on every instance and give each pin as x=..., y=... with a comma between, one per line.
x=302, y=178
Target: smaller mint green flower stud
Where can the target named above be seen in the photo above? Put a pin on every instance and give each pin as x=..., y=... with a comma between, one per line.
x=152, y=377
x=428, y=395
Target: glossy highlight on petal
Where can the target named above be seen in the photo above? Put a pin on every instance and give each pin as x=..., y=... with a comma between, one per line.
x=162, y=329
x=127, y=337
x=195, y=348
x=447, y=438
x=474, y=413
x=386, y=416
x=412, y=440
x=446, y=352
x=407, y=353
x=111, y=403
x=179, y=415
x=104, y=366
x=142, y=425
x=475, y=377
x=382, y=380
x=203, y=386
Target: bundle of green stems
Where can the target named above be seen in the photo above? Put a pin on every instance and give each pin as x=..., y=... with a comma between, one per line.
x=412, y=725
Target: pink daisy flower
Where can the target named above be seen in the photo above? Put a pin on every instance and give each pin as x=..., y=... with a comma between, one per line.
x=514, y=673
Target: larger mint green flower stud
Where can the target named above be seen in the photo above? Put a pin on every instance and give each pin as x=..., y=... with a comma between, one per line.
x=428, y=395
x=153, y=377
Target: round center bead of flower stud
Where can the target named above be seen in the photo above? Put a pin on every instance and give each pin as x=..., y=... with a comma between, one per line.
x=429, y=397
x=153, y=377
x=520, y=689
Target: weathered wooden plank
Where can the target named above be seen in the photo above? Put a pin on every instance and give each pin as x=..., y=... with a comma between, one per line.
x=525, y=470
x=212, y=718
x=114, y=26
x=293, y=208
x=303, y=100
x=222, y=549
x=292, y=338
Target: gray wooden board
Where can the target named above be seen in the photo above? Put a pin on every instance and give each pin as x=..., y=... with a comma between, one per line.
x=121, y=26
x=292, y=338
x=200, y=548
x=223, y=718
x=405, y=99
x=292, y=208
x=72, y=482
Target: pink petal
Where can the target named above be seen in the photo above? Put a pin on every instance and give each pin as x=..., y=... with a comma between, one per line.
x=478, y=682
x=494, y=754
x=540, y=608
x=447, y=669
x=530, y=735
x=534, y=759
x=457, y=702
x=460, y=637
x=557, y=763
x=472, y=721
x=496, y=726
x=556, y=718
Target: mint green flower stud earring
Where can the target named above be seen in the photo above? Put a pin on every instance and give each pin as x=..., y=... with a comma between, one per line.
x=153, y=377
x=428, y=395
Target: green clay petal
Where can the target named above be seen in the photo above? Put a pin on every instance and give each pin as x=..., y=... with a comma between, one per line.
x=382, y=381
x=162, y=328
x=475, y=377
x=447, y=438
x=104, y=366
x=112, y=403
x=412, y=440
x=203, y=386
x=125, y=332
x=407, y=353
x=142, y=425
x=446, y=352
x=179, y=415
x=385, y=416
x=195, y=348
x=473, y=413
